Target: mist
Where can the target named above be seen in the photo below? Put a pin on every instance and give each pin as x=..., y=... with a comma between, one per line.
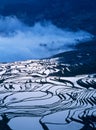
x=19, y=41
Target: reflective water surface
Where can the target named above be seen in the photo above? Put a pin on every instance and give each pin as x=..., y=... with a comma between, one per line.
x=34, y=96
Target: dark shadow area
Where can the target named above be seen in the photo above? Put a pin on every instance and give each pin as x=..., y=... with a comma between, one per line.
x=87, y=121
x=4, y=123
x=80, y=61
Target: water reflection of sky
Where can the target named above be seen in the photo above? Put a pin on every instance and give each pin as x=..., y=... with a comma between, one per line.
x=32, y=96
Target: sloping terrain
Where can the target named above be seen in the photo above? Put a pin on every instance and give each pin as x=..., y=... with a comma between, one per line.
x=46, y=89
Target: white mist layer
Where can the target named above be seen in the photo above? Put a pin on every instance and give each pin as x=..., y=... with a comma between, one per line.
x=21, y=42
